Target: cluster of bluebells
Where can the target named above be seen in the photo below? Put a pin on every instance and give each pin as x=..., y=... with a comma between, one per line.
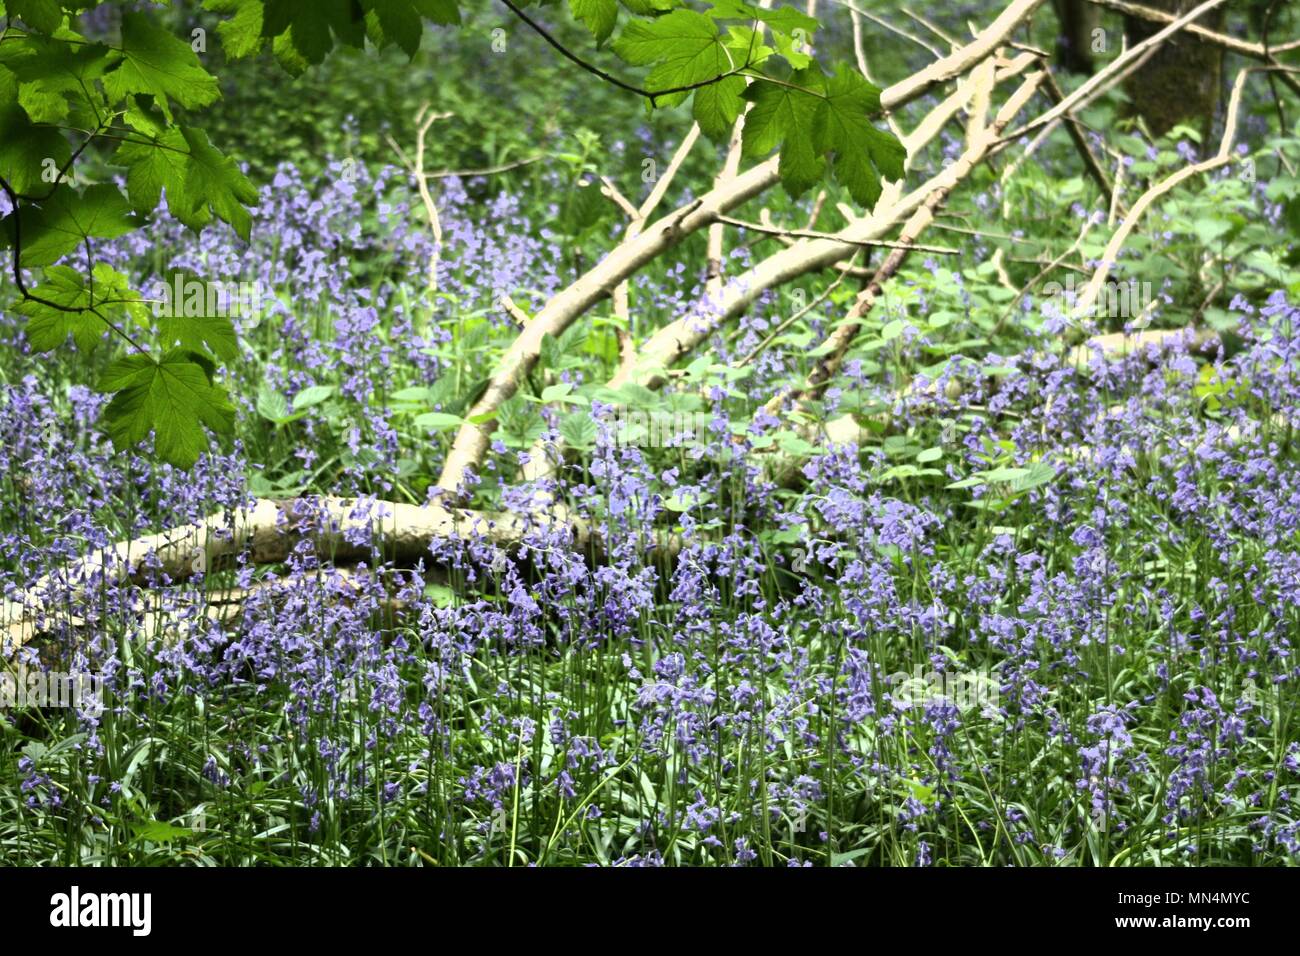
x=704, y=666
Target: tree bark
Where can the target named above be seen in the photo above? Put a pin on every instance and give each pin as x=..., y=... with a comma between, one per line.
x=1180, y=82
x=1077, y=19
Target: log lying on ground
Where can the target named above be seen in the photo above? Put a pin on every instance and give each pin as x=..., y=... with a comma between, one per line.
x=345, y=528
x=268, y=531
x=1115, y=344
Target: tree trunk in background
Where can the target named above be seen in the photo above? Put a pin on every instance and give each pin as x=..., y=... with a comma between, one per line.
x=1180, y=83
x=1077, y=20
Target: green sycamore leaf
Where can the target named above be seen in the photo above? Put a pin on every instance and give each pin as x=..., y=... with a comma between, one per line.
x=50, y=71
x=717, y=106
x=842, y=125
x=155, y=166
x=161, y=65
x=394, y=21
x=44, y=16
x=599, y=16
x=782, y=116
x=213, y=179
x=172, y=397
x=783, y=19
x=213, y=334
x=780, y=108
x=241, y=35
x=812, y=117
x=26, y=150
x=647, y=8
x=682, y=47
x=302, y=29
x=48, y=328
x=185, y=319
x=194, y=174
x=442, y=12
x=66, y=219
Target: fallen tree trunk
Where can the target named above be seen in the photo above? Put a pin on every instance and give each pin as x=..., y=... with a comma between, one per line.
x=267, y=532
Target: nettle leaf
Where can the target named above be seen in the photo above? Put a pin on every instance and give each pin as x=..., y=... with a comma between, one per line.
x=579, y=429
x=599, y=16
x=66, y=219
x=682, y=47
x=163, y=66
x=48, y=328
x=172, y=397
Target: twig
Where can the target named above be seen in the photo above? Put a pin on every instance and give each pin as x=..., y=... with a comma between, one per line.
x=833, y=237
x=1116, y=244
x=486, y=171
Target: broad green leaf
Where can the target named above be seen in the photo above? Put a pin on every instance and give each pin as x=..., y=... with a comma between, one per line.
x=841, y=124
x=241, y=35
x=56, y=78
x=438, y=421
x=302, y=29
x=156, y=63
x=65, y=220
x=553, y=393
x=29, y=154
x=441, y=12
x=44, y=16
x=312, y=395
x=158, y=831
x=186, y=317
x=782, y=116
x=172, y=397
x=784, y=19
x=214, y=180
x=153, y=167
x=717, y=106
x=599, y=16
x=682, y=48
x=394, y=21
x=48, y=327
